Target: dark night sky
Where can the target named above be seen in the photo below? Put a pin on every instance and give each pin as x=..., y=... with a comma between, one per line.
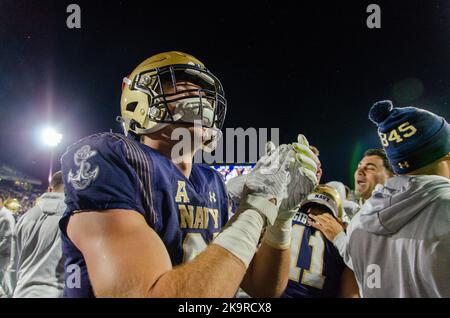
x=310, y=67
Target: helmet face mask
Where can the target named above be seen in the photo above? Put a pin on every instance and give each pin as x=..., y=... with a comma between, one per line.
x=171, y=93
x=165, y=92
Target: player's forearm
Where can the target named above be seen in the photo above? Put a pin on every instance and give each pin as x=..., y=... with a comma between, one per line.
x=145, y=270
x=214, y=273
x=218, y=271
x=349, y=286
x=268, y=273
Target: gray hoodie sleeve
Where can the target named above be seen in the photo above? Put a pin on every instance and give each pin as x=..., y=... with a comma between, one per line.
x=6, y=252
x=342, y=241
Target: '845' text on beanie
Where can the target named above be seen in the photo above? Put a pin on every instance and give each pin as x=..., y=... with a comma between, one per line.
x=412, y=137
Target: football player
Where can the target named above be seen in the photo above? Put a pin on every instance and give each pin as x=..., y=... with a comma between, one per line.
x=143, y=222
x=317, y=269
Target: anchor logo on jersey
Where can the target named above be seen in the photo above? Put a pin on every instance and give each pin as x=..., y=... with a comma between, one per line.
x=84, y=176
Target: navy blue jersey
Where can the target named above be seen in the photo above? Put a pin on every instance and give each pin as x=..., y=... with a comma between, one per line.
x=316, y=266
x=111, y=171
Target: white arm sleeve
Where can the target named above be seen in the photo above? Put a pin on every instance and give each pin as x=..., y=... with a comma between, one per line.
x=342, y=241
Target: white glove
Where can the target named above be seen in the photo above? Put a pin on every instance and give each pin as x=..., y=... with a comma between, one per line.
x=303, y=174
x=235, y=186
x=267, y=181
x=303, y=181
x=270, y=177
x=290, y=184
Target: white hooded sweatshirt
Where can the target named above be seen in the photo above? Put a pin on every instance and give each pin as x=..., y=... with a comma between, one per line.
x=40, y=263
x=7, y=223
x=399, y=243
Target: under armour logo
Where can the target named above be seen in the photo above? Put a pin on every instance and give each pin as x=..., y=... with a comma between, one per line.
x=403, y=165
x=212, y=197
x=83, y=177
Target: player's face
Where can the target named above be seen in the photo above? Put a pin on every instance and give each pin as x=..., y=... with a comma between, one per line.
x=317, y=209
x=369, y=173
x=319, y=172
x=186, y=89
x=182, y=87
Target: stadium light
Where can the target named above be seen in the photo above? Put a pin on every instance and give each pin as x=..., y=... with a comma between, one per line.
x=51, y=137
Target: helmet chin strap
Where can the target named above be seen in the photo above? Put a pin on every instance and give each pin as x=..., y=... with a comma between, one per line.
x=139, y=131
x=189, y=110
x=210, y=138
x=155, y=128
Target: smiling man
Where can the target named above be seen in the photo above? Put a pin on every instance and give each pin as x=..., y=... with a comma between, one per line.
x=398, y=244
x=373, y=169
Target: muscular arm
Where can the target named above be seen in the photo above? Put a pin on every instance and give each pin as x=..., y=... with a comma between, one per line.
x=349, y=287
x=268, y=273
x=126, y=258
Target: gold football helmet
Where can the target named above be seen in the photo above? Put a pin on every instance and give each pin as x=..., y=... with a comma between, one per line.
x=12, y=204
x=151, y=99
x=327, y=196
